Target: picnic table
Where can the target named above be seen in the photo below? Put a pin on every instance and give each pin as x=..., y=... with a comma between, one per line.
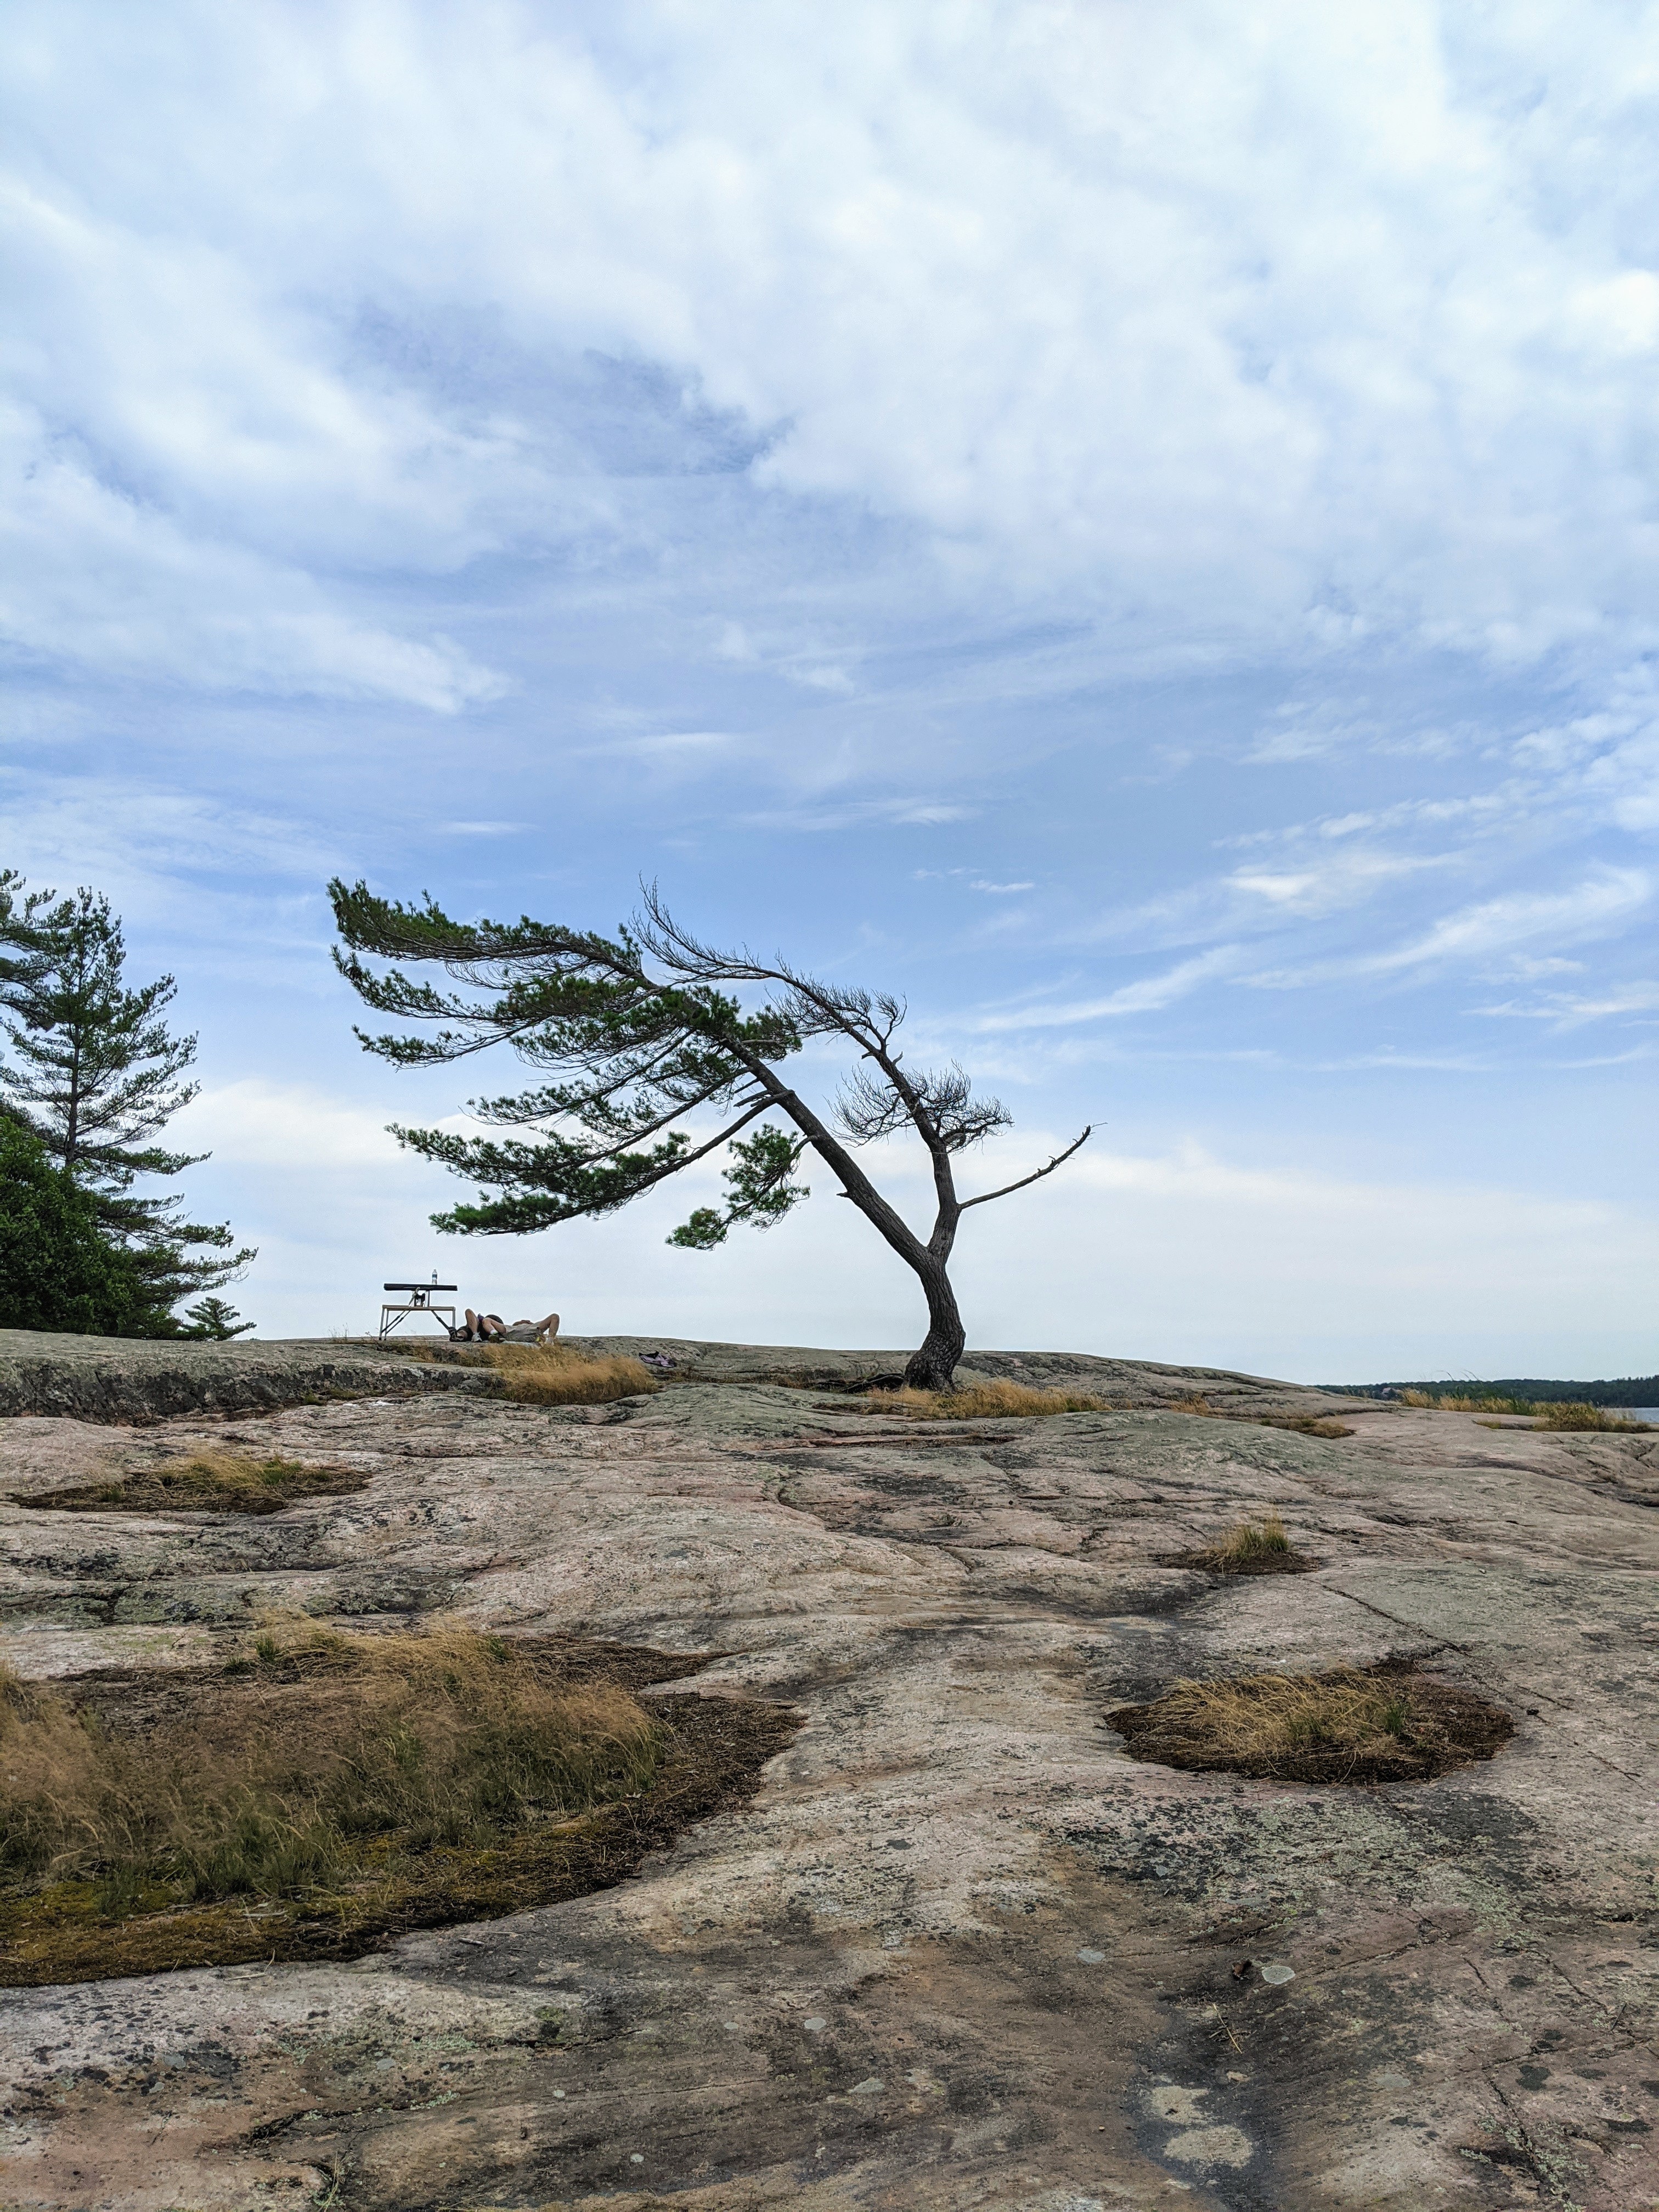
x=421, y=1299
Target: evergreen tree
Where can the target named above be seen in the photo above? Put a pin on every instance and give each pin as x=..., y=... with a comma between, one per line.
x=213, y=1317
x=96, y=1076
x=22, y=942
x=58, y=1270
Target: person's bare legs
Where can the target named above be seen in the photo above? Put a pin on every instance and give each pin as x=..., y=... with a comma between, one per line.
x=546, y=1329
x=471, y=1329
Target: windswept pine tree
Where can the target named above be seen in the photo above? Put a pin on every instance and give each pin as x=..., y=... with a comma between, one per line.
x=643, y=1032
x=94, y=1073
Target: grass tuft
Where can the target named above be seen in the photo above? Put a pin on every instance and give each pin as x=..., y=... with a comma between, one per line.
x=321, y=1793
x=338, y=1756
x=543, y=1374
x=1543, y=1414
x=1585, y=1417
x=1250, y=1541
x=551, y=1375
x=1344, y=1725
x=983, y=1402
x=1249, y=1547
x=208, y=1480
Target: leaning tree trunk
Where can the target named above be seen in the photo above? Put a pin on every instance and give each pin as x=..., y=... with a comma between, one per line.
x=933, y=1366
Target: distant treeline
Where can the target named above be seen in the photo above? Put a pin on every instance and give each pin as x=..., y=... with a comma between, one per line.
x=1630, y=1390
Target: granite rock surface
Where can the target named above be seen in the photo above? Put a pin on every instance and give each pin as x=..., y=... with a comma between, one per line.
x=961, y=1951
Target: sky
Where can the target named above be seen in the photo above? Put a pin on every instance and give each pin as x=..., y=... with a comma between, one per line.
x=1133, y=528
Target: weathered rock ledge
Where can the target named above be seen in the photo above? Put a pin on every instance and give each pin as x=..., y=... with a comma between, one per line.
x=102, y=1378
x=114, y=1378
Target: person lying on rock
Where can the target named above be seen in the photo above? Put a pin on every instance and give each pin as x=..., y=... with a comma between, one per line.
x=490, y=1328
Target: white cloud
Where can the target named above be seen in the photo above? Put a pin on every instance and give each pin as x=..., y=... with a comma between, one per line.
x=844, y=813
x=293, y=1127
x=1365, y=1278
x=1324, y=884
x=1603, y=902
x=1567, y=1010
x=1149, y=995
x=665, y=746
x=101, y=580
x=1601, y=906
x=1266, y=327
x=124, y=836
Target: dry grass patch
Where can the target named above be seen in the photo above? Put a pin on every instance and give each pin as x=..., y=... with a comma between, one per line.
x=1586, y=1417
x=1250, y=1548
x=205, y=1481
x=1387, y=1724
x=543, y=1374
x=1543, y=1414
x=1464, y=1401
x=1252, y=1542
x=324, y=1792
x=325, y=1738
x=549, y=1374
x=983, y=1402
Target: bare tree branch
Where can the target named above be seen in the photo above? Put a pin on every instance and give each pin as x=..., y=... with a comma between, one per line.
x=1059, y=1160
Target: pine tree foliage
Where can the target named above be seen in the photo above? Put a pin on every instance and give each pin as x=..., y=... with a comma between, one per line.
x=214, y=1318
x=23, y=950
x=94, y=1070
x=639, y=1035
x=57, y=1269
x=95, y=1073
